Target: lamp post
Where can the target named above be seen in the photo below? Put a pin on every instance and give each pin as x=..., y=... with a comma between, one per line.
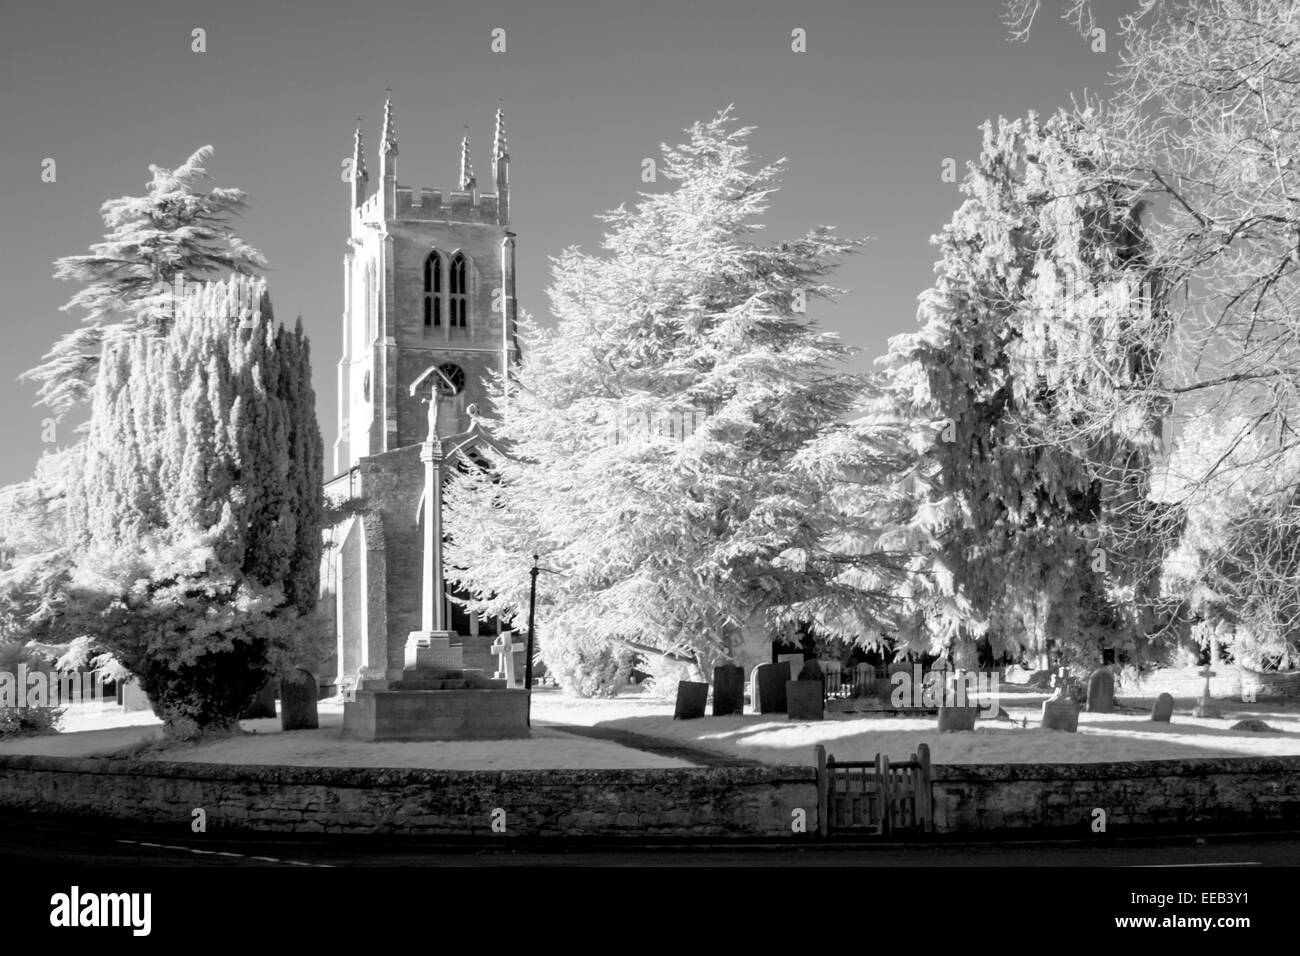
x=528, y=655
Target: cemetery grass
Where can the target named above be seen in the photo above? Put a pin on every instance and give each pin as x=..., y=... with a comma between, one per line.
x=772, y=739
x=1127, y=735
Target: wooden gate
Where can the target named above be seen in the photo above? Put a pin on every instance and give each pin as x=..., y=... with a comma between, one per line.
x=880, y=798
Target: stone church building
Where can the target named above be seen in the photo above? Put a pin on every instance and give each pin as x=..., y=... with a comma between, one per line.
x=429, y=280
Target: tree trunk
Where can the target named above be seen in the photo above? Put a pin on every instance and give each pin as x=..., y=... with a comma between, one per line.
x=753, y=645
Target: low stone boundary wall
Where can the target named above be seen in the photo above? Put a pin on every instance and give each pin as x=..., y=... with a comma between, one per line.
x=712, y=802
x=739, y=802
x=1199, y=791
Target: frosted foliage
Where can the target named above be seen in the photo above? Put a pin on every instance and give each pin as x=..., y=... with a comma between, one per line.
x=1017, y=334
x=178, y=229
x=771, y=511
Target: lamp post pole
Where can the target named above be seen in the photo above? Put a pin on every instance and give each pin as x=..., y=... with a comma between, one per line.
x=528, y=655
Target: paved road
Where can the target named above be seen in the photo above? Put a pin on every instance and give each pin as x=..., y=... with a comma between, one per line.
x=48, y=842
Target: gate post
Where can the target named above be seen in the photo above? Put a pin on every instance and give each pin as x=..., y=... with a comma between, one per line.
x=926, y=796
x=822, y=788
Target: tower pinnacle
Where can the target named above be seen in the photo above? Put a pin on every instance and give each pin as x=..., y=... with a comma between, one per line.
x=499, y=146
x=467, y=180
x=359, y=175
x=389, y=135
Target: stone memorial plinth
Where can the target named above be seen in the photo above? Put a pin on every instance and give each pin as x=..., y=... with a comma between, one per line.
x=436, y=704
x=437, y=697
x=1163, y=708
x=728, y=690
x=804, y=700
x=692, y=696
x=768, y=688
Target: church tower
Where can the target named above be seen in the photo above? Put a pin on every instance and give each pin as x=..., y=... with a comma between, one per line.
x=429, y=279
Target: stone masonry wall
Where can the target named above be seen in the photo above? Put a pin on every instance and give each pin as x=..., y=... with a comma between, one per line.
x=739, y=802
x=1246, y=790
x=713, y=802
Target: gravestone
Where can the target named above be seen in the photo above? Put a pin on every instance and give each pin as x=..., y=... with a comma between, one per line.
x=811, y=670
x=957, y=718
x=1163, y=708
x=132, y=696
x=1101, y=691
x=263, y=705
x=728, y=690
x=864, y=681
x=795, y=662
x=1205, y=707
x=804, y=699
x=504, y=648
x=1059, y=711
x=298, y=703
x=769, y=687
x=691, y=698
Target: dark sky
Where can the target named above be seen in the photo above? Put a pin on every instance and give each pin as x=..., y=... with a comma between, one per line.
x=885, y=92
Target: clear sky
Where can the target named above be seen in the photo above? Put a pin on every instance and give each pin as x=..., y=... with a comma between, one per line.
x=866, y=116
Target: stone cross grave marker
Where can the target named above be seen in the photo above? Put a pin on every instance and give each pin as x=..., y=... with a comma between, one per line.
x=505, y=649
x=1205, y=707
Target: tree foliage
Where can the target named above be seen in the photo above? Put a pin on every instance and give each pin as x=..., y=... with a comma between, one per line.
x=1041, y=274
x=677, y=445
x=203, y=438
x=177, y=230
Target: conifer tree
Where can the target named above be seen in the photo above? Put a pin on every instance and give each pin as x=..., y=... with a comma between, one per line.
x=678, y=446
x=1041, y=272
x=227, y=466
x=176, y=231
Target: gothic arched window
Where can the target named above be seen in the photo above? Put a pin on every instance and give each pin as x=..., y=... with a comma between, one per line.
x=458, y=289
x=433, y=289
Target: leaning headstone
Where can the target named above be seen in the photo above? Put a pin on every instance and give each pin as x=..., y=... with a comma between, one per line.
x=804, y=699
x=263, y=705
x=795, y=662
x=1101, y=691
x=298, y=703
x=1059, y=711
x=728, y=690
x=769, y=687
x=691, y=698
x=811, y=670
x=1163, y=708
x=957, y=718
